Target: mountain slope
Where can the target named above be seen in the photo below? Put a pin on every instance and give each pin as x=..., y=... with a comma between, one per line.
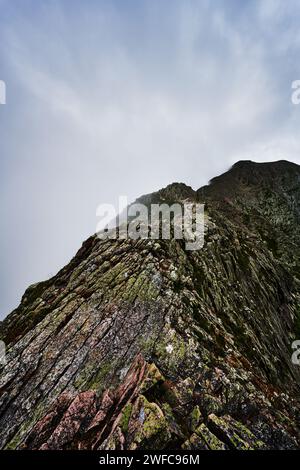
x=142, y=344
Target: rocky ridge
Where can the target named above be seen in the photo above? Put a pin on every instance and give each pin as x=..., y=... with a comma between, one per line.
x=140, y=344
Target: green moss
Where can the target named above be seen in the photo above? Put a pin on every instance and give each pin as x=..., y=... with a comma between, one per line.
x=14, y=443
x=176, y=356
x=209, y=438
x=154, y=419
x=195, y=417
x=96, y=381
x=18, y=438
x=141, y=288
x=127, y=410
x=154, y=431
x=233, y=433
x=153, y=380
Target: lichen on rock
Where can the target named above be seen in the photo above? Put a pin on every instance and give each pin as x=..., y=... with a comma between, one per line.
x=140, y=344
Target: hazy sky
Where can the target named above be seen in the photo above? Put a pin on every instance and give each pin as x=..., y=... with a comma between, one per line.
x=122, y=97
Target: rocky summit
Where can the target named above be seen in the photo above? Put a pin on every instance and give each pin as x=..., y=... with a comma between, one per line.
x=140, y=344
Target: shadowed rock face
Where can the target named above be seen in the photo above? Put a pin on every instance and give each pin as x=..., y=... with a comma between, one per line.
x=142, y=345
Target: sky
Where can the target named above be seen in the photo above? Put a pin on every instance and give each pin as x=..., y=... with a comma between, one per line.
x=121, y=97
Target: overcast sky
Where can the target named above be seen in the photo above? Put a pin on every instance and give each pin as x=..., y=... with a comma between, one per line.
x=122, y=97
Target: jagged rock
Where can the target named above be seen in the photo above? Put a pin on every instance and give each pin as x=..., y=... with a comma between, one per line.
x=203, y=439
x=142, y=344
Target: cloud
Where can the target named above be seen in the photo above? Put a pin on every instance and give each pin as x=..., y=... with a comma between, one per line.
x=112, y=98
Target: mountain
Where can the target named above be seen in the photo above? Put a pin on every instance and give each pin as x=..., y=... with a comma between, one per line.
x=141, y=344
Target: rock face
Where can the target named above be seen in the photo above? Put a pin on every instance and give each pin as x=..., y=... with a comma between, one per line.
x=144, y=345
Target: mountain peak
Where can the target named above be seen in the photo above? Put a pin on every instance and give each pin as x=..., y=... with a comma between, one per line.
x=245, y=175
x=278, y=164
x=141, y=344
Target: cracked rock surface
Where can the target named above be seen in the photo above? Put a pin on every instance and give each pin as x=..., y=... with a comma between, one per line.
x=140, y=344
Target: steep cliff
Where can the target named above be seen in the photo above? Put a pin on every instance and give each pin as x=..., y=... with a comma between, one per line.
x=142, y=344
